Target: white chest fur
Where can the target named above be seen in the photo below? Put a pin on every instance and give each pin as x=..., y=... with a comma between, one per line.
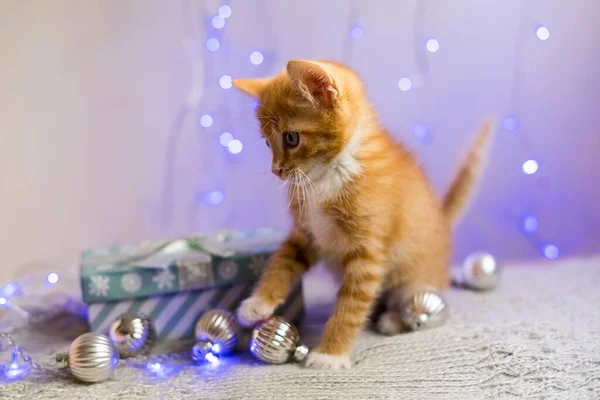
x=329, y=181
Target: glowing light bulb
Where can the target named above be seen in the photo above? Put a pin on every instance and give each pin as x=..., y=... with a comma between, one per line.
x=235, y=146
x=256, y=58
x=357, y=32
x=551, y=252
x=52, y=277
x=530, y=224
x=211, y=358
x=404, y=84
x=432, y=45
x=225, y=82
x=225, y=11
x=15, y=369
x=530, y=167
x=420, y=131
x=511, y=123
x=218, y=22
x=154, y=367
x=215, y=197
x=225, y=138
x=213, y=44
x=542, y=33
x=159, y=370
x=206, y=120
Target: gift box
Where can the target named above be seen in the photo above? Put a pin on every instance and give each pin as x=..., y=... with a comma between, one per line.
x=174, y=281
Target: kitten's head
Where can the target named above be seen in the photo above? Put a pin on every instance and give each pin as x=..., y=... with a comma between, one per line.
x=307, y=114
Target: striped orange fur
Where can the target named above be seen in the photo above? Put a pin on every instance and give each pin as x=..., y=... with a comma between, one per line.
x=359, y=200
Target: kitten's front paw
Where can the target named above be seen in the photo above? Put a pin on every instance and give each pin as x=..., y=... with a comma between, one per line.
x=252, y=310
x=327, y=361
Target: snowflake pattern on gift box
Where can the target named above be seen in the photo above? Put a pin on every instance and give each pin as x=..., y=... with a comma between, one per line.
x=99, y=286
x=228, y=269
x=132, y=282
x=195, y=272
x=164, y=279
x=258, y=264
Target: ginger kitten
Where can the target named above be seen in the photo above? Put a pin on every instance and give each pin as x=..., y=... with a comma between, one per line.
x=359, y=201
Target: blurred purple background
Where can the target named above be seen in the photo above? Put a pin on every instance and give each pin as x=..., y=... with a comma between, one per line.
x=102, y=106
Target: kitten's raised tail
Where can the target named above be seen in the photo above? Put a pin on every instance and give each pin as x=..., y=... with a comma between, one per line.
x=468, y=175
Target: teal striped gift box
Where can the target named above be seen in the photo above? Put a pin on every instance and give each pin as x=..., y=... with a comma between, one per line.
x=174, y=315
x=173, y=281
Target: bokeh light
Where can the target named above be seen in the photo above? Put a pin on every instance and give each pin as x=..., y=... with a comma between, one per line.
x=530, y=167
x=404, y=84
x=225, y=11
x=206, y=120
x=218, y=22
x=551, y=252
x=420, y=131
x=530, y=224
x=256, y=57
x=510, y=123
x=357, y=32
x=215, y=197
x=542, y=33
x=225, y=138
x=432, y=45
x=52, y=277
x=235, y=146
x=213, y=44
x=225, y=82
x=10, y=289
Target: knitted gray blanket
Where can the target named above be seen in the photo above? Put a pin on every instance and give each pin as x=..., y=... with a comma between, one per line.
x=536, y=336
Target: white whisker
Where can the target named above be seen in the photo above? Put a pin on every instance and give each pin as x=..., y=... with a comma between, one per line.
x=292, y=191
x=312, y=187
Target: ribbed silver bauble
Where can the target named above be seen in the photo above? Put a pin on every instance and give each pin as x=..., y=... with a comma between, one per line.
x=479, y=271
x=423, y=310
x=217, y=332
x=133, y=334
x=276, y=341
x=92, y=357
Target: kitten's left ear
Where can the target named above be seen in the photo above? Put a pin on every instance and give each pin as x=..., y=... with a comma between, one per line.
x=315, y=83
x=254, y=87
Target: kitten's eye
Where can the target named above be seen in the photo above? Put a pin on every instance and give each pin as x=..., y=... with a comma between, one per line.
x=267, y=143
x=291, y=138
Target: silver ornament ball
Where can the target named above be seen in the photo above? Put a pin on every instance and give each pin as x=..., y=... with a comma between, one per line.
x=423, y=310
x=133, y=334
x=92, y=358
x=217, y=331
x=276, y=341
x=479, y=271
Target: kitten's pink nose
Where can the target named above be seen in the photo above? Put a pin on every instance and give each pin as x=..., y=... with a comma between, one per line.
x=277, y=171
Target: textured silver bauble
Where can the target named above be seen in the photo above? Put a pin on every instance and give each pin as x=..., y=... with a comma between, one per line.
x=276, y=341
x=423, y=310
x=133, y=334
x=217, y=331
x=92, y=357
x=479, y=271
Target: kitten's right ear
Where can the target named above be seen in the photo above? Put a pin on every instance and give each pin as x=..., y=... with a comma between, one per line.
x=253, y=87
